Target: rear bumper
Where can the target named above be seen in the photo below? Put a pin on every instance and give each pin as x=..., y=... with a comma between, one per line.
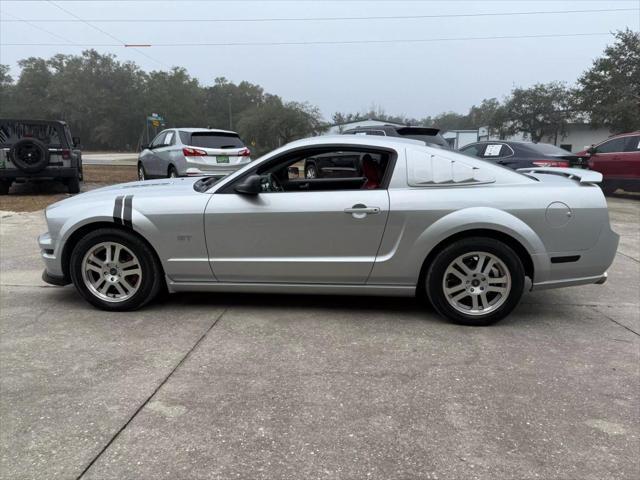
x=590, y=268
x=49, y=172
x=224, y=169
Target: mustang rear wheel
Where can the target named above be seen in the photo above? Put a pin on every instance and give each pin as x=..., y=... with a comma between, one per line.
x=115, y=270
x=475, y=281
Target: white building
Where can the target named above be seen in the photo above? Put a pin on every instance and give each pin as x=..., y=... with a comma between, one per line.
x=576, y=138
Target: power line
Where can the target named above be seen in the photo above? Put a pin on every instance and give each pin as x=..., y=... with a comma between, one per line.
x=327, y=19
x=322, y=42
x=17, y=19
x=105, y=33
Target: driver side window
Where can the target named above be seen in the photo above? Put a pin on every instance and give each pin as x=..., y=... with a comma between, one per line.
x=328, y=170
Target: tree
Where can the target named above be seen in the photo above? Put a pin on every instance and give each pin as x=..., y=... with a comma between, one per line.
x=225, y=101
x=6, y=90
x=490, y=113
x=448, y=121
x=540, y=111
x=609, y=92
x=274, y=123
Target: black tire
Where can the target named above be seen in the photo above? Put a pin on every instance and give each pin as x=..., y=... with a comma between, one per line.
x=142, y=174
x=311, y=171
x=436, y=276
x=5, y=185
x=29, y=155
x=73, y=184
x=152, y=277
x=172, y=172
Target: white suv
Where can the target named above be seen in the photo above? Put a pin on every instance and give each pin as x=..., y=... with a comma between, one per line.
x=192, y=152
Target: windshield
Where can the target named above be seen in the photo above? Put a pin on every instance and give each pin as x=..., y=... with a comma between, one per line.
x=215, y=140
x=547, y=149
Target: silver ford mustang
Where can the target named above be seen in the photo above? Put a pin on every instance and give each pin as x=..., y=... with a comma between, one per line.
x=389, y=216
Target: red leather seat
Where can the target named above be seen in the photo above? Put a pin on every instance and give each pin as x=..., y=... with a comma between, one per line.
x=372, y=172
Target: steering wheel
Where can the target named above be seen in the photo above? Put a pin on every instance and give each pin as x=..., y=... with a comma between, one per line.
x=272, y=183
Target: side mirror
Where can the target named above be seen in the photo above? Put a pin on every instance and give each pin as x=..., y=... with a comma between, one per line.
x=144, y=146
x=294, y=172
x=252, y=185
x=591, y=150
x=76, y=141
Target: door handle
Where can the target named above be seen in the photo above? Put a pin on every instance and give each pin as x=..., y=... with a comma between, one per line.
x=360, y=211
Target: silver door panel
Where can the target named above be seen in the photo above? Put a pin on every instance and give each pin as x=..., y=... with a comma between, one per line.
x=295, y=237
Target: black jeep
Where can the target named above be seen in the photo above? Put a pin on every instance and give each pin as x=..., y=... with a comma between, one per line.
x=38, y=150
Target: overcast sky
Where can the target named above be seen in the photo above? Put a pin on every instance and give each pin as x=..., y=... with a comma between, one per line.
x=411, y=78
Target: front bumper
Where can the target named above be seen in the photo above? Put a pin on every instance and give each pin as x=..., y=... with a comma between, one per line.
x=54, y=280
x=53, y=272
x=48, y=172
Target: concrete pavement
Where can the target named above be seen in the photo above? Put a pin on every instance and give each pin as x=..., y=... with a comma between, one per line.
x=255, y=386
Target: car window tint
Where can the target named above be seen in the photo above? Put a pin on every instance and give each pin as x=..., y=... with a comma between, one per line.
x=545, y=149
x=159, y=140
x=472, y=150
x=612, y=146
x=632, y=144
x=185, y=137
x=506, y=151
x=50, y=134
x=215, y=140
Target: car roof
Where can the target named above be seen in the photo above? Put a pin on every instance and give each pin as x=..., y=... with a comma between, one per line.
x=398, y=142
x=402, y=129
x=199, y=130
x=508, y=142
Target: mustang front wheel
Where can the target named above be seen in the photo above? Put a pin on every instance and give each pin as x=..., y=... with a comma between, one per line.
x=475, y=281
x=115, y=270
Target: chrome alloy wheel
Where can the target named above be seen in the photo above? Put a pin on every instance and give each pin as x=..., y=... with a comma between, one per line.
x=111, y=272
x=140, y=172
x=476, y=283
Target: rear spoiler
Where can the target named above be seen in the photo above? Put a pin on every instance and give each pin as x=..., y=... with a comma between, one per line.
x=582, y=175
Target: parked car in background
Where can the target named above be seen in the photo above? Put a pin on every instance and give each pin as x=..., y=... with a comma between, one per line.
x=618, y=160
x=429, y=135
x=417, y=221
x=179, y=152
x=521, y=154
x=33, y=150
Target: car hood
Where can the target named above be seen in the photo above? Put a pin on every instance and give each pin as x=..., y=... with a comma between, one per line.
x=146, y=188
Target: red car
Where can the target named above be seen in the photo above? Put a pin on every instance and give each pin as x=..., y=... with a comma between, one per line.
x=618, y=159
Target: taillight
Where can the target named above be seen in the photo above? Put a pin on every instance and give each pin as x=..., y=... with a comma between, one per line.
x=193, y=152
x=245, y=152
x=551, y=163
x=66, y=154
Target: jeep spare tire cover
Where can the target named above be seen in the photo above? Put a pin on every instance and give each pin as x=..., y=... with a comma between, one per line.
x=29, y=155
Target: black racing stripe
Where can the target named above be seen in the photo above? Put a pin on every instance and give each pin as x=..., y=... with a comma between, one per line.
x=117, y=211
x=127, y=212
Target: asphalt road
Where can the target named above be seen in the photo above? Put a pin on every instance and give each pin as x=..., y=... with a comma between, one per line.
x=235, y=386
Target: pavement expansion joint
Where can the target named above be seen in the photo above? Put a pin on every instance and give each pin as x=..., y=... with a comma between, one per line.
x=148, y=399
